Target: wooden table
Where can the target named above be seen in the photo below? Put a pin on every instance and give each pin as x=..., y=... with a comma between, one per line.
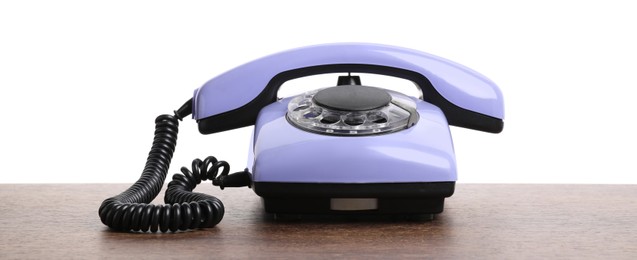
x=480, y=221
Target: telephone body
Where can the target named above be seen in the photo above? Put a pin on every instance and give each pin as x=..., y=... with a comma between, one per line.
x=345, y=149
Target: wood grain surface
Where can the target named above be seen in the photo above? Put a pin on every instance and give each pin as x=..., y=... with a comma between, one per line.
x=480, y=221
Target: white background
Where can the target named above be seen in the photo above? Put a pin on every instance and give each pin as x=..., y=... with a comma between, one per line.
x=81, y=82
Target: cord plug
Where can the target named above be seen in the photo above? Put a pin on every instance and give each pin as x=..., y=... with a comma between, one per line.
x=184, y=110
x=237, y=179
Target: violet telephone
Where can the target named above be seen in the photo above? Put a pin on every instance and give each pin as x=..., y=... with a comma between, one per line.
x=345, y=149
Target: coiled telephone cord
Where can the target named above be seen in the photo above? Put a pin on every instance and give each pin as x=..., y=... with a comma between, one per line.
x=184, y=209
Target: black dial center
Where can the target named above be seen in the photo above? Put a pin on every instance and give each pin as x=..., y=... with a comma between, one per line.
x=352, y=98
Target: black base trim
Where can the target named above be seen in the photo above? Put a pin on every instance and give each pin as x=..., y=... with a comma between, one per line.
x=355, y=190
x=315, y=198
x=385, y=206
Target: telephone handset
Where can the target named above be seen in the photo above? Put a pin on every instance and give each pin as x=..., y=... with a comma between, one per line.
x=347, y=149
x=467, y=98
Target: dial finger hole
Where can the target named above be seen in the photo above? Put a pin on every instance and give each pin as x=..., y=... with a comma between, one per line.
x=302, y=106
x=377, y=117
x=330, y=119
x=313, y=112
x=354, y=120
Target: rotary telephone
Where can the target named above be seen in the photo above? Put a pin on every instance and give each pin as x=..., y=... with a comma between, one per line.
x=346, y=149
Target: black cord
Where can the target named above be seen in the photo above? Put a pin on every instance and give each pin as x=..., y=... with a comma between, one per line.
x=184, y=209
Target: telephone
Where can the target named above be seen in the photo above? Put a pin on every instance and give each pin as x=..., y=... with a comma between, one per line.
x=346, y=149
